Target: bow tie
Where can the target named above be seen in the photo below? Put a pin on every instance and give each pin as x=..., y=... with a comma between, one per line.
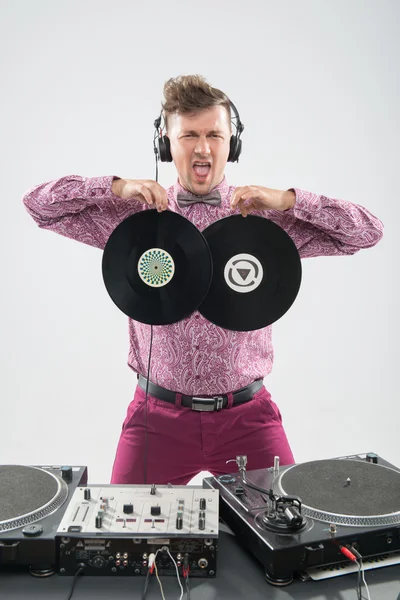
x=185, y=199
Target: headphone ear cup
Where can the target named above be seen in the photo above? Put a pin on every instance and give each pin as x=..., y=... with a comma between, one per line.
x=235, y=149
x=164, y=148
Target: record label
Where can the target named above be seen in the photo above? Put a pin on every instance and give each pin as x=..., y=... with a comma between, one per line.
x=156, y=267
x=243, y=273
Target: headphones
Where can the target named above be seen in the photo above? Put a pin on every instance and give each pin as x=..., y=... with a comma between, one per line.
x=162, y=146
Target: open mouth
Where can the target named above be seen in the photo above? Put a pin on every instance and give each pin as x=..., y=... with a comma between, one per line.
x=201, y=169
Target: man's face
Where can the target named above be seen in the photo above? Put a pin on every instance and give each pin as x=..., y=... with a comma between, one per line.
x=200, y=147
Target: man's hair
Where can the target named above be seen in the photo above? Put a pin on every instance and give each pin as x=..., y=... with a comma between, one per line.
x=190, y=94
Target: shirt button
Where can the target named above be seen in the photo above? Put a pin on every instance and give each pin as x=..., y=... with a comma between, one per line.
x=197, y=316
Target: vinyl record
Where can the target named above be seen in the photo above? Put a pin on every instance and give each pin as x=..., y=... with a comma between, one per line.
x=256, y=273
x=157, y=267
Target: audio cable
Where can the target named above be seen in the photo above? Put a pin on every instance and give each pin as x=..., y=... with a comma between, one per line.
x=80, y=570
x=150, y=349
x=145, y=410
x=152, y=567
x=185, y=571
x=353, y=555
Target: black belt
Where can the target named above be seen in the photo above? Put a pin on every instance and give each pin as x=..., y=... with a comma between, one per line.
x=209, y=403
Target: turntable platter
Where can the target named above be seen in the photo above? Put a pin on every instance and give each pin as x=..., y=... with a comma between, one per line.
x=347, y=492
x=28, y=494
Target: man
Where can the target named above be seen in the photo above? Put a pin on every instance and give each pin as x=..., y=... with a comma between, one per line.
x=195, y=357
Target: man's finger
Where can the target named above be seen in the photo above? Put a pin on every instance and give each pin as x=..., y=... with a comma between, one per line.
x=241, y=206
x=159, y=198
x=248, y=207
x=160, y=194
x=236, y=195
x=147, y=195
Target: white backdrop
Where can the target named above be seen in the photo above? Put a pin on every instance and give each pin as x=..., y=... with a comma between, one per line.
x=316, y=84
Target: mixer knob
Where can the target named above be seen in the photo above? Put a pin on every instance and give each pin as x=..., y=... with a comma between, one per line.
x=99, y=522
x=179, y=522
x=155, y=511
x=86, y=493
x=153, y=489
x=128, y=509
x=203, y=504
x=202, y=521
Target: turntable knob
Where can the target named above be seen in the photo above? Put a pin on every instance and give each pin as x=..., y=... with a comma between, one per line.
x=66, y=474
x=32, y=530
x=226, y=478
x=372, y=458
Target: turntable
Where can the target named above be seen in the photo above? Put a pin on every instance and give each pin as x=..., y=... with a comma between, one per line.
x=310, y=518
x=32, y=503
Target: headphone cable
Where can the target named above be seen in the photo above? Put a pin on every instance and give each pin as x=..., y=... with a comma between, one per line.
x=156, y=154
x=145, y=410
x=158, y=133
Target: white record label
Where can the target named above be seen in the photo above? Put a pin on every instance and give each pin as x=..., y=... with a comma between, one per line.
x=243, y=273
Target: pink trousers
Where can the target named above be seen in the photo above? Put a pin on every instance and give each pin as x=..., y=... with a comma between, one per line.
x=182, y=442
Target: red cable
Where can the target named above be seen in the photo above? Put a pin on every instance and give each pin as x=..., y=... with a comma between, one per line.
x=348, y=554
x=185, y=571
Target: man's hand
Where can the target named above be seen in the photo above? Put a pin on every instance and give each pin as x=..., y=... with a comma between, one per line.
x=256, y=197
x=144, y=190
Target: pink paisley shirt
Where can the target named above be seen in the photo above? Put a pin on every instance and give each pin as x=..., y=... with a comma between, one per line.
x=195, y=356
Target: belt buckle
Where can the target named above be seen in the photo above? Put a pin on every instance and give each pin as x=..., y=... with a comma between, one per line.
x=207, y=404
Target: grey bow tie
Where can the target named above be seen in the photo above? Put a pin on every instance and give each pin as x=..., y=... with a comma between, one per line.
x=185, y=199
